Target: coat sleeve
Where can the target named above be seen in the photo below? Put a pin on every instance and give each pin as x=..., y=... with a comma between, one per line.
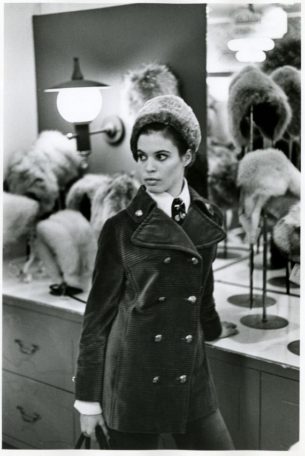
x=209, y=317
x=101, y=309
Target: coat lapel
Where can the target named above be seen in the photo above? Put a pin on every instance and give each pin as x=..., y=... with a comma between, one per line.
x=157, y=230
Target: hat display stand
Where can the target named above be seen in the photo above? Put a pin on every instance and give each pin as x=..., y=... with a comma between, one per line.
x=226, y=253
x=294, y=347
x=252, y=299
x=264, y=321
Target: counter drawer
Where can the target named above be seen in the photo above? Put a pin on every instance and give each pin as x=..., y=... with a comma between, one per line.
x=40, y=346
x=40, y=415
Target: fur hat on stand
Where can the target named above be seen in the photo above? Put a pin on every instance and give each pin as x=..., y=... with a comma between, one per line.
x=286, y=233
x=289, y=79
x=263, y=174
x=108, y=201
x=146, y=82
x=67, y=247
x=41, y=171
x=81, y=193
x=20, y=214
x=168, y=110
x=271, y=110
x=222, y=175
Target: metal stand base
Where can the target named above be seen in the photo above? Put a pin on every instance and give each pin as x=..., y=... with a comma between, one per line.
x=294, y=347
x=281, y=282
x=271, y=322
x=243, y=300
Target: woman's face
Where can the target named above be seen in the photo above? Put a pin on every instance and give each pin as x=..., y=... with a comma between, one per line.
x=160, y=164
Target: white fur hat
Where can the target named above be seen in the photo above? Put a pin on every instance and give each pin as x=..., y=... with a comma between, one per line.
x=108, y=201
x=67, y=246
x=263, y=174
x=19, y=216
x=271, y=110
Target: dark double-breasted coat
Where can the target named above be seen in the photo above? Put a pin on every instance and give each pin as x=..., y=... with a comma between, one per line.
x=149, y=311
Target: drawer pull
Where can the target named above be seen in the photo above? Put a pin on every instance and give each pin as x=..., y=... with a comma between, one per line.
x=26, y=350
x=26, y=417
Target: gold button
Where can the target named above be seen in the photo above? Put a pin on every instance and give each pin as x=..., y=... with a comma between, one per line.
x=189, y=338
x=156, y=379
x=182, y=379
x=73, y=379
x=161, y=298
x=158, y=337
x=192, y=299
x=167, y=260
x=195, y=260
x=139, y=213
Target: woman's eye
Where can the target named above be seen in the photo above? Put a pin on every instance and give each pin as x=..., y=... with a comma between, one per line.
x=161, y=157
x=141, y=157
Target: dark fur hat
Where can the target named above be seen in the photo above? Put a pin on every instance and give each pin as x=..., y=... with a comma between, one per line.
x=169, y=110
x=289, y=79
x=271, y=110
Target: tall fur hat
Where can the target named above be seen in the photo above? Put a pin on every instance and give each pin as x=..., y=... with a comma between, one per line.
x=111, y=199
x=222, y=175
x=169, y=110
x=19, y=216
x=81, y=193
x=286, y=233
x=146, y=82
x=271, y=110
x=289, y=79
x=263, y=174
x=67, y=246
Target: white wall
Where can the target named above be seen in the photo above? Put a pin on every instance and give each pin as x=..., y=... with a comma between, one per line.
x=19, y=107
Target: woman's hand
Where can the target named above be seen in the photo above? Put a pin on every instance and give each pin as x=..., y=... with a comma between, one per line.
x=88, y=424
x=228, y=329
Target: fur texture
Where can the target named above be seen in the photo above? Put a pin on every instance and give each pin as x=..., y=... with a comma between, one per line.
x=44, y=169
x=169, y=110
x=222, y=175
x=81, y=193
x=289, y=79
x=146, y=82
x=286, y=233
x=67, y=246
x=217, y=120
x=271, y=110
x=19, y=216
x=108, y=201
x=261, y=175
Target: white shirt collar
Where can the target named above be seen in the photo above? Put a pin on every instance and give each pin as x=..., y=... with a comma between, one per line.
x=164, y=200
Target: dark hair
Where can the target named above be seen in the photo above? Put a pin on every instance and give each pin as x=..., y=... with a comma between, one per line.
x=168, y=130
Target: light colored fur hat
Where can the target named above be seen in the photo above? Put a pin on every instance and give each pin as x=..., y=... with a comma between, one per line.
x=83, y=190
x=168, y=110
x=286, y=233
x=62, y=154
x=289, y=79
x=271, y=110
x=108, y=201
x=222, y=175
x=67, y=246
x=263, y=174
x=146, y=82
x=42, y=170
x=19, y=216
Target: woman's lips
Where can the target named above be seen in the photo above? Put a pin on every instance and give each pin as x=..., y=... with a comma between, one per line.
x=151, y=181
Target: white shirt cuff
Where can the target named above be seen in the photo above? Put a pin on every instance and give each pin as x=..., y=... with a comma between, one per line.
x=88, y=408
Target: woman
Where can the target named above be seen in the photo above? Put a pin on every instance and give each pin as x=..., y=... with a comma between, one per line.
x=142, y=368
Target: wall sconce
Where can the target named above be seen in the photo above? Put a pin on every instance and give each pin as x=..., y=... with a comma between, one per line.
x=79, y=101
